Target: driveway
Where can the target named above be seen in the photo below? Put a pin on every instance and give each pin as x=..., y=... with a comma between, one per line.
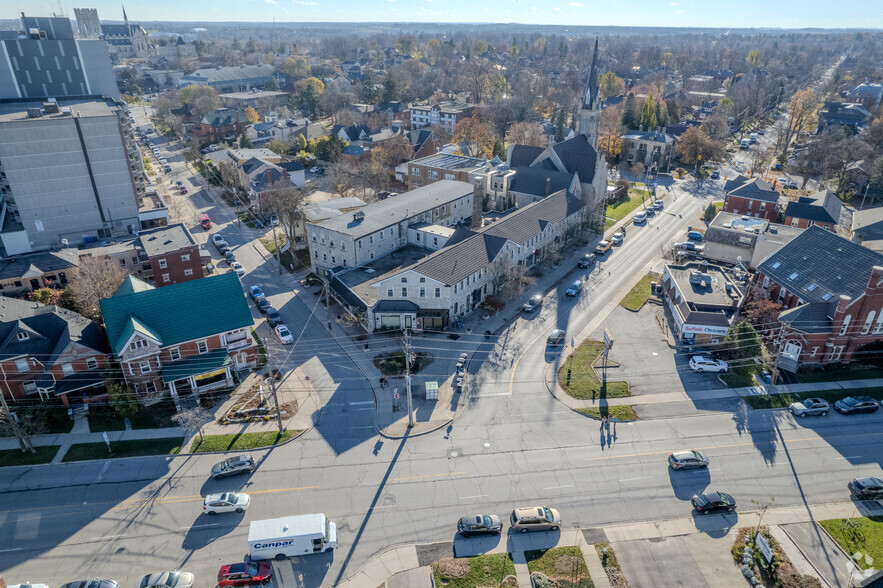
x=689, y=560
x=826, y=558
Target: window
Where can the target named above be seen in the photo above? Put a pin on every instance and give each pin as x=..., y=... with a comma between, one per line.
x=185, y=257
x=331, y=243
x=333, y=259
x=149, y=388
x=324, y=257
x=343, y=246
x=868, y=322
x=22, y=336
x=22, y=365
x=422, y=292
x=162, y=264
x=381, y=235
x=166, y=278
x=202, y=346
x=404, y=292
x=449, y=177
x=122, y=263
x=422, y=280
x=92, y=363
x=145, y=367
x=432, y=174
x=418, y=237
x=67, y=369
x=371, y=239
x=845, y=325
x=30, y=387
x=438, y=292
x=315, y=254
x=322, y=239
x=389, y=292
x=174, y=354
x=313, y=235
x=138, y=344
x=878, y=328
x=360, y=243
x=404, y=280
x=415, y=171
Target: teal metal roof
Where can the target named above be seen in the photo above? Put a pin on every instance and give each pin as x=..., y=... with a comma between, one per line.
x=195, y=365
x=178, y=313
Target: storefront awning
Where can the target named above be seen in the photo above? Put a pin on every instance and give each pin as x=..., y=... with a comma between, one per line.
x=198, y=365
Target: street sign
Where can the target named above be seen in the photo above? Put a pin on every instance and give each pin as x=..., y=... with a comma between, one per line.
x=396, y=396
x=761, y=542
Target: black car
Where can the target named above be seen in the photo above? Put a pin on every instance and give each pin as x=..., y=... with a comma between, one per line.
x=480, y=525
x=273, y=316
x=586, y=260
x=228, y=255
x=263, y=304
x=713, y=501
x=866, y=488
x=855, y=404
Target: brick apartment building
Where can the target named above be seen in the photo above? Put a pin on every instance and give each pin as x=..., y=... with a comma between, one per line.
x=752, y=197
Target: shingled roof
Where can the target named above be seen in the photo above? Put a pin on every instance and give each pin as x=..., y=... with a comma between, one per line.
x=819, y=266
x=754, y=189
x=821, y=207
x=532, y=180
x=578, y=157
x=523, y=155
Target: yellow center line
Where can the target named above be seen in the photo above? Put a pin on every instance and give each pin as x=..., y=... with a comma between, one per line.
x=815, y=438
x=429, y=476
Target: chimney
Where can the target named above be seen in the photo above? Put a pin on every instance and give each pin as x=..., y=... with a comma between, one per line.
x=874, y=282
x=477, y=202
x=548, y=185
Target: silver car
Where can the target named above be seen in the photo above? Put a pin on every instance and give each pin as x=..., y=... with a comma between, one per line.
x=681, y=460
x=535, y=518
x=167, y=580
x=811, y=407
x=231, y=466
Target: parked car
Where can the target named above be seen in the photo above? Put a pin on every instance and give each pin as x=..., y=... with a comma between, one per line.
x=274, y=220
x=229, y=257
x=716, y=174
x=866, y=488
x=217, y=238
x=695, y=235
x=226, y=502
x=556, y=337
x=603, y=247
x=239, y=464
x=574, y=288
x=237, y=267
x=689, y=459
x=263, y=304
x=316, y=170
x=658, y=205
x=219, y=243
x=256, y=292
x=640, y=218
x=28, y=585
x=183, y=190
x=481, y=524
x=617, y=238
x=535, y=518
x=854, y=404
x=245, y=573
x=91, y=584
x=273, y=316
x=179, y=183
x=810, y=406
x=284, y=334
x=702, y=363
x=535, y=302
x=792, y=185
x=711, y=501
x=167, y=580
x=586, y=260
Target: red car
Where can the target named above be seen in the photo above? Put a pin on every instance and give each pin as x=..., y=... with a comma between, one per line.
x=245, y=573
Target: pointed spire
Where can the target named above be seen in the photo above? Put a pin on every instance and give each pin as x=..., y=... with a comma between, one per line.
x=125, y=18
x=591, y=99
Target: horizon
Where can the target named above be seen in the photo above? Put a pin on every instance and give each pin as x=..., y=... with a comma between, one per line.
x=750, y=14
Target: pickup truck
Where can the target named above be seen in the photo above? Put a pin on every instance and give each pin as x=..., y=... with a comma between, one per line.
x=603, y=247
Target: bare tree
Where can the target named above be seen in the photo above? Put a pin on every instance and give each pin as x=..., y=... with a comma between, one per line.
x=96, y=278
x=288, y=204
x=193, y=420
x=526, y=133
x=803, y=112
x=341, y=178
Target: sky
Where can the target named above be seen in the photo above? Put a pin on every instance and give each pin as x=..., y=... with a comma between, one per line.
x=666, y=13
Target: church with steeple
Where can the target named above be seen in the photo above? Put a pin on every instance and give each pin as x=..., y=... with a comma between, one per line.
x=125, y=41
x=578, y=157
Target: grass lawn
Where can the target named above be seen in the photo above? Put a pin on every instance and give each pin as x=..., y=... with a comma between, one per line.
x=584, y=382
x=839, y=375
x=608, y=222
x=484, y=570
x=134, y=448
x=734, y=380
x=610, y=560
x=564, y=564
x=785, y=400
x=57, y=421
x=623, y=413
x=158, y=416
x=105, y=419
x=15, y=457
x=248, y=220
x=866, y=538
x=240, y=441
x=638, y=295
x=620, y=209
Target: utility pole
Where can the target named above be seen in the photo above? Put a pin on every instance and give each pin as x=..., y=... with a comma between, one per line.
x=14, y=426
x=273, y=392
x=775, y=370
x=276, y=246
x=408, y=376
x=327, y=301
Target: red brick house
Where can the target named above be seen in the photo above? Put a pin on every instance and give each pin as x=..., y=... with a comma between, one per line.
x=220, y=124
x=822, y=209
x=172, y=255
x=184, y=339
x=50, y=354
x=831, y=293
x=752, y=197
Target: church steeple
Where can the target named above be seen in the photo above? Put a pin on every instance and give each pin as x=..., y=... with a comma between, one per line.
x=591, y=99
x=588, y=118
x=126, y=18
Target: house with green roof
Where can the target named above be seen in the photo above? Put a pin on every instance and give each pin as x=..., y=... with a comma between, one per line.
x=185, y=339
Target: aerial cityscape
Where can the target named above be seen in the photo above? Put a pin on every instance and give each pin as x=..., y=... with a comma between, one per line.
x=431, y=294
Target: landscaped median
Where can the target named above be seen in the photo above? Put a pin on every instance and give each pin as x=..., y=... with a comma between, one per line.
x=862, y=538
x=831, y=395
x=611, y=566
x=495, y=569
x=579, y=380
x=622, y=413
x=639, y=294
x=240, y=441
x=562, y=567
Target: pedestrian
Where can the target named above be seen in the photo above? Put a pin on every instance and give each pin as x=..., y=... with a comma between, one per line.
x=603, y=422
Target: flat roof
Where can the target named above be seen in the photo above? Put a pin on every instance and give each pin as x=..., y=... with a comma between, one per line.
x=151, y=201
x=711, y=291
x=450, y=161
x=359, y=281
x=166, y=239
x=440, y=230
x=261, y=94
x=14, y=111
x=286, y=527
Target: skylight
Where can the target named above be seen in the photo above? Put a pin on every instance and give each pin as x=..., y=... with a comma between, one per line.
x=777, y=264
x=827, y=296
x=812, y=287
x=792, y=276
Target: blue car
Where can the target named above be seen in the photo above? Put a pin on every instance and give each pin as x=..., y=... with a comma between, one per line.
x=574, y=288
x=255, y=292
x=695, y=235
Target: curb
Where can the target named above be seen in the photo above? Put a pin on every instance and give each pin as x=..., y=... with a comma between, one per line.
x=836, y=544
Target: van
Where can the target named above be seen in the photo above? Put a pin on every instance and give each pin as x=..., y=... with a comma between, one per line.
x=291, y=536
x=745, y=144
x=752, y=138
x=640, y=218
x=535, y=518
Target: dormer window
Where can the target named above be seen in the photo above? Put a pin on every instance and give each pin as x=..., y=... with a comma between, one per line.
x=23, y=336
x=137, y=344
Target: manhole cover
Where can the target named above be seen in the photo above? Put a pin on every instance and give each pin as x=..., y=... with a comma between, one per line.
x=486, y=444
x=454, y=453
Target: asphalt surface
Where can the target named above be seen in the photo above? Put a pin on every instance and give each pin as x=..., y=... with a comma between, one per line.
x=513, y=445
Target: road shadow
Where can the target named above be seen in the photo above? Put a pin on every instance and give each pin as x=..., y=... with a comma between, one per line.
x=687, y=483
x=308, y=570
x=715, y=525
x=477, y=545
x=206, y=529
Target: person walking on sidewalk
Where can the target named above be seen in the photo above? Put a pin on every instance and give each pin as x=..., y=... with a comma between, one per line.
x=603, y=422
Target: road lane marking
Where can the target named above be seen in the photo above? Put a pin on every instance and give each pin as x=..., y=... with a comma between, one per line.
x=476, y=496
x=631, y=479
x=107, y=537
x=361, y=402
x=201, y=526
x=428, y=476
x=557, y=487
x=13, y=549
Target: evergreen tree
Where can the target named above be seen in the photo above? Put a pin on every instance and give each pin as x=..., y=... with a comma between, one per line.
x=630, y=117
x=369, y=89
x=648, y=114
x=560, y=124
x=391, y=88
x=272, y=84
x=244, y=141
x=499, y=149
x=661, y=115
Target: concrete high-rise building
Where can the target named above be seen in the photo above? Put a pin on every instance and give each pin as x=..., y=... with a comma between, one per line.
x=70, y=173
x=44, y=60
x=88, y=25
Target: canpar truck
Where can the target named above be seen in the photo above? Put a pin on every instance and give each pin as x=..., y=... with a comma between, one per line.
x=290, y=536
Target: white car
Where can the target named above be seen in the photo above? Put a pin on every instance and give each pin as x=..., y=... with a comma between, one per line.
x=28, y=586
x=704, y=363
x=284, y=334
x=617, y=238
x=226, y=502
x=167, y=580
x=217, y=238
x=237, y=267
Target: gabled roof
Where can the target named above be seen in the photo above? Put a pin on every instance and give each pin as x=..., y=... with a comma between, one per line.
x=38, y=264
x=223, y=117
x=532, y=180
x=130, y=285
x=755, y=189
x=819, y=266
x=524, y=155
x=227, y=74
x=578, y=157
x=821, y=207
x=815, y=317
x=179, y=312
x=292, y=166
x=652, y=136
x=867, y=225
x=352, y=132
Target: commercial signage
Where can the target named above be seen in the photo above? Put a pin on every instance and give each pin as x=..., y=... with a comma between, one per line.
x=704, y=330
x=219, y=372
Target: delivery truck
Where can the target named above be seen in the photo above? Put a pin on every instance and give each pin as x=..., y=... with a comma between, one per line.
x=290, y=536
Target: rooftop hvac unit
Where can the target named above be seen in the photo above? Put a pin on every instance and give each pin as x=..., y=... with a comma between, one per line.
x=50, y=107
x=34, y=113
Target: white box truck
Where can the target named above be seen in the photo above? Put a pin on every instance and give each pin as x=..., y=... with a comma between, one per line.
x=290, y=536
